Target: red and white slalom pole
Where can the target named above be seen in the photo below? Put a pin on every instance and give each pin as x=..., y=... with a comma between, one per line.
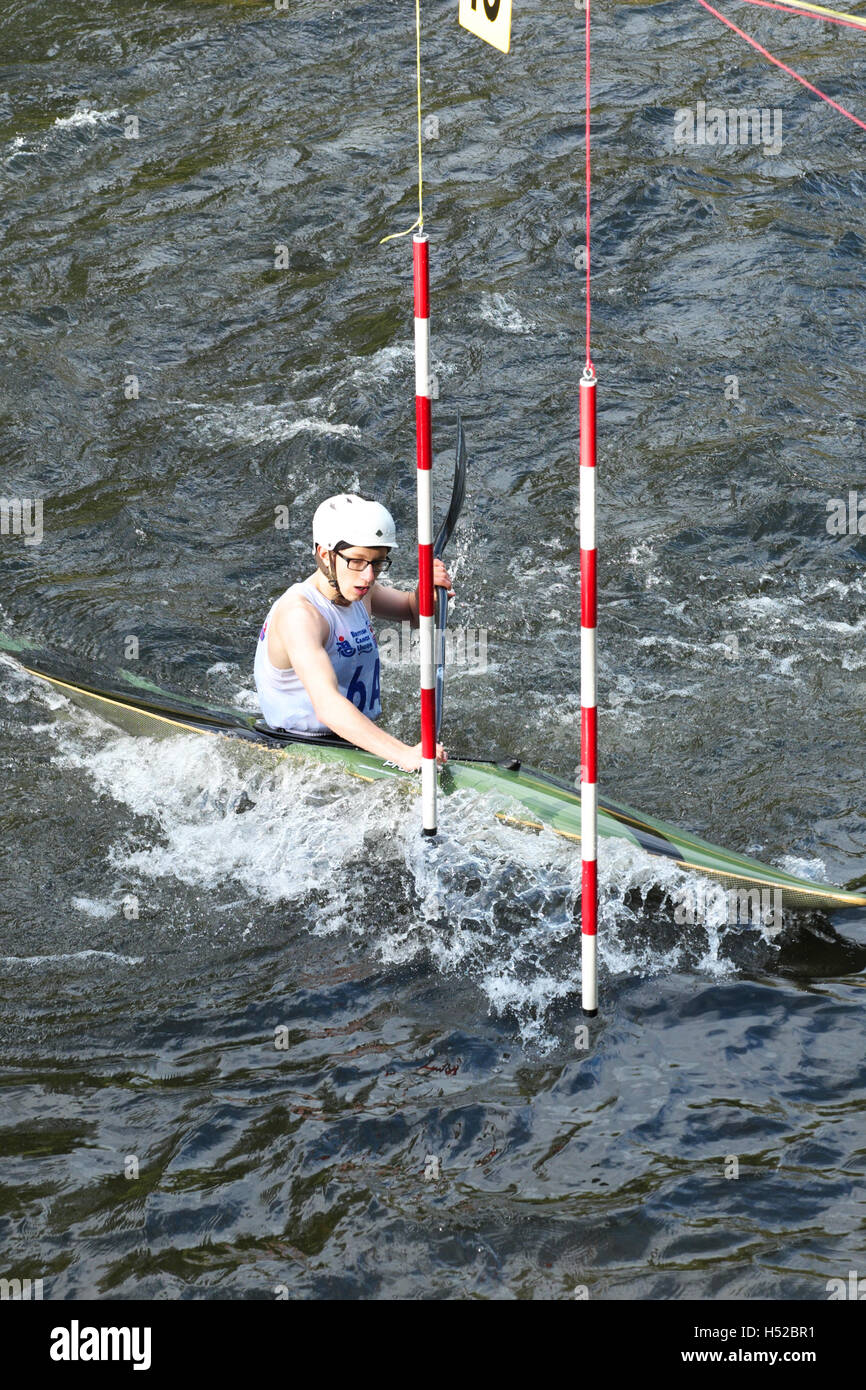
x=424, y=444
x=588, y=700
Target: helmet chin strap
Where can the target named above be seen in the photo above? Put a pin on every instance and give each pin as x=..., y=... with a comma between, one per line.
x=330, y=574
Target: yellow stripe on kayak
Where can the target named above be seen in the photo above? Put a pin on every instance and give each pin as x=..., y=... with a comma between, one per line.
x=118, y=704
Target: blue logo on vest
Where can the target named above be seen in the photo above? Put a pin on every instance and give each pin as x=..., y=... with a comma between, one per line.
x=345, y=648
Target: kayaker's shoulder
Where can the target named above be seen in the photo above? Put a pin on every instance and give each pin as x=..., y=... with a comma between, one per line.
x=296, y=601
x=295, y=595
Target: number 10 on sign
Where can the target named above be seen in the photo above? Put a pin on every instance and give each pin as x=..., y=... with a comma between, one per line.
x=489, y=20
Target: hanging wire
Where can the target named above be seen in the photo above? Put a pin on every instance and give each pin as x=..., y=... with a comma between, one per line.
x=419, y=221
x=588, y=369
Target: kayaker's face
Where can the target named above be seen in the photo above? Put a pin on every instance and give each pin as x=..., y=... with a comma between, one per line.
x=356, y=569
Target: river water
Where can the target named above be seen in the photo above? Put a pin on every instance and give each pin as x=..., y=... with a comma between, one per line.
x=258, y=1037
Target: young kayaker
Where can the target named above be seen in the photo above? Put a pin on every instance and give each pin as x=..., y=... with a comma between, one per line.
x=317, y=662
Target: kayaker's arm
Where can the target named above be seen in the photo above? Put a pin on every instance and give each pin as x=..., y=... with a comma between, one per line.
x=386, y=602
x=397, y=604
x=302, y=638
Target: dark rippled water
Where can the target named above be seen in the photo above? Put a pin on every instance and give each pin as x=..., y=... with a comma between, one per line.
x=331, y=1063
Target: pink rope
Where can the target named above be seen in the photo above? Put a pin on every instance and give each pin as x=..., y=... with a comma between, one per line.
x=779, y=64
x=589, y=365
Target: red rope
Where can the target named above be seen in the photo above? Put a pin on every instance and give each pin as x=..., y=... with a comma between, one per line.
x=779, y=64
x=808, y=14
x=589, y=366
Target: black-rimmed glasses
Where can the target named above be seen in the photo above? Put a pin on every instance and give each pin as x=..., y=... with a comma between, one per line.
x=357, y=565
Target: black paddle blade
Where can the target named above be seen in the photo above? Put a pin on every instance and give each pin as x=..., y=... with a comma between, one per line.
x=458, y=492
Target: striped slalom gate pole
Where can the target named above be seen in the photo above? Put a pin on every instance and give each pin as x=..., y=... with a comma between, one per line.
x=588, y=700
x=424, y=446
x=588, y=619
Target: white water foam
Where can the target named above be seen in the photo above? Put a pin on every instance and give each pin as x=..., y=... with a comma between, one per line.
x=814, y=869
x=83, y=117
x=92, y=907
x=263, y=424
x=86, y=115
x=487, y=902
x=497, y=311
x=72, y=957
x=18, y=686
x=247, y=699
x=380, y=365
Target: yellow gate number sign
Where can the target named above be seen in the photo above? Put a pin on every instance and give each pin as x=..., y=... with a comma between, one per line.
x=489, y=20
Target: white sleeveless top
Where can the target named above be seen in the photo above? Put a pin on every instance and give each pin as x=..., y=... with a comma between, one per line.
x=351, y=646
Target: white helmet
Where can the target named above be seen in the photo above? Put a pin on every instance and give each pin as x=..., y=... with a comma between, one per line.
x=352, y=519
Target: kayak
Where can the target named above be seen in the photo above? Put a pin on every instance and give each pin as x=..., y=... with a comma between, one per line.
x=518, y=795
